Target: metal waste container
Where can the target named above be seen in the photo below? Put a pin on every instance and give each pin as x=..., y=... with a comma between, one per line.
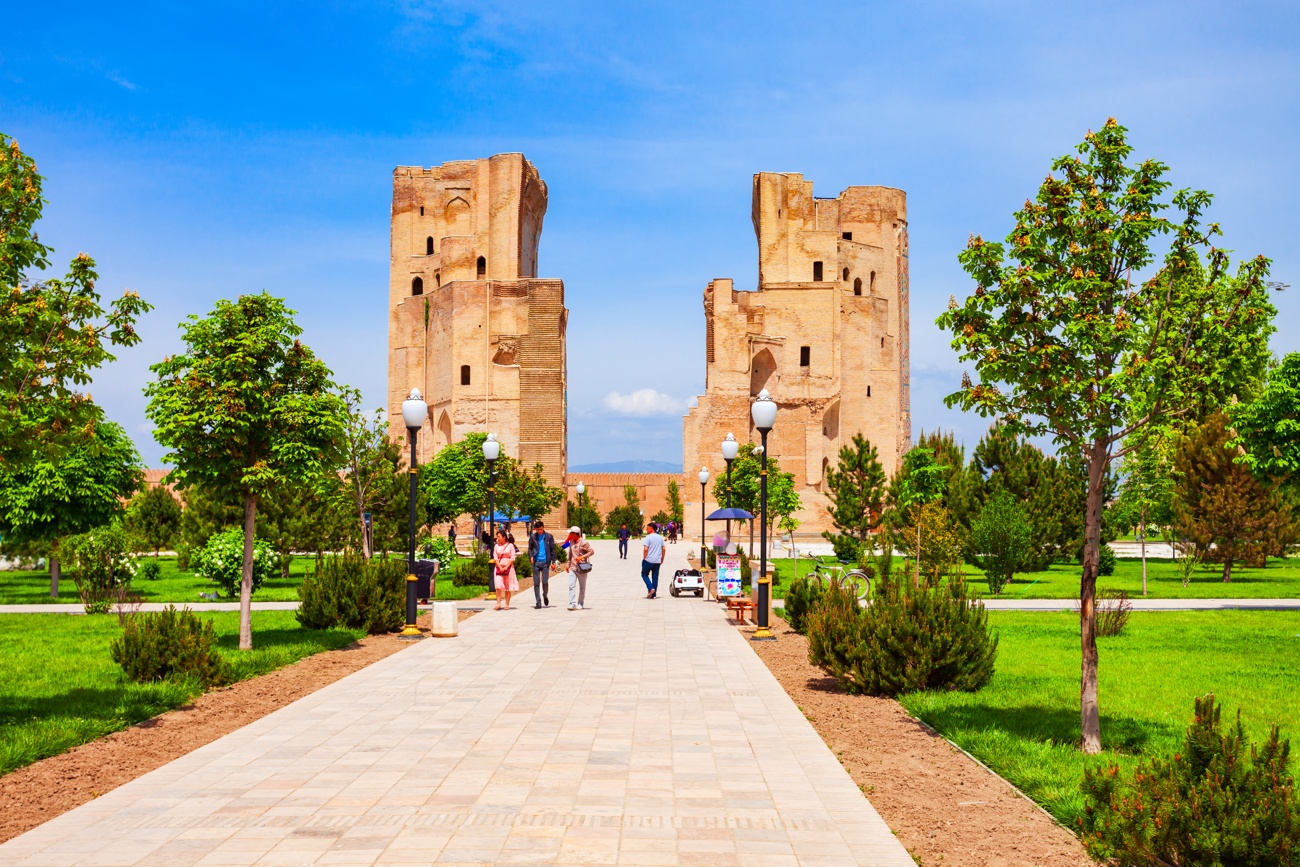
x=425, y=570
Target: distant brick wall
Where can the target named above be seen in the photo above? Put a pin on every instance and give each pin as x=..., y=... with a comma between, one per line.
x=605, y=490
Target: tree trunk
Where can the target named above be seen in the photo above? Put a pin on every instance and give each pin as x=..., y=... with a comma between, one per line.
x=1089, y=713
x=56, y=572
x=246, y=581
x=1143, y=531
x=1227, y=571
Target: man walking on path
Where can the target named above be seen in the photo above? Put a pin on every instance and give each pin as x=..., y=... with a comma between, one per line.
x=652, y=557
x=541, y=550
x=623, y=535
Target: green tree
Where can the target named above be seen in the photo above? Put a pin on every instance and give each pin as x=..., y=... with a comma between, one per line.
x=43, y=501
x=1146, y=495
x=782, y=499
x=585, y=516
x=856, y=489
x=154, y=518
x=1220, y=506
x=525, y=492
x=919, y=481
x=1000, y=540
x=245, y=409
x=629, y=513
x=1066, y=343
x=53, y=332
x=371, y=461
x=1269, y=426
x=676, y=512
x=455, y=482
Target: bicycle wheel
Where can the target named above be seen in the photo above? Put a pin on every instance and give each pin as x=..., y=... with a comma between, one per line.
x=858, y=582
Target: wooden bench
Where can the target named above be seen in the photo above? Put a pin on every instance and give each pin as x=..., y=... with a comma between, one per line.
x=739, y=605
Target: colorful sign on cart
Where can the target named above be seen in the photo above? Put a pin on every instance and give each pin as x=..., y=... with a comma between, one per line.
x=728, y=576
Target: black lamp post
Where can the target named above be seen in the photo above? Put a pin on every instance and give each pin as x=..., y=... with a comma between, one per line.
x=414, y=412
x=492, y=451
x=763, y=411
x=730, y=448
x=704, y=544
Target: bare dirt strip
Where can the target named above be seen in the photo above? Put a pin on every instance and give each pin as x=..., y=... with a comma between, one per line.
x=946, y=808
x=37, y=793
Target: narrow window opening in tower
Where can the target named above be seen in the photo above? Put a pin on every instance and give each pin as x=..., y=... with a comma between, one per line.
x=882, y=343
x=805, y=356
x=428, y=246
x=873, y=283
x=857, y=285
x=817, y=272
x=848, y=236
x=482, y=267
x=437, y=279
x=421, y=210
x=417, y=286
x=868, y=391
x=464, y=374
x=846, y=273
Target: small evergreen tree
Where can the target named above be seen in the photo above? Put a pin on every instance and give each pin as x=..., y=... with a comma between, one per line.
x=675, y=511
x=1000, y=540
x=154, y=518
x=629, y=513
x=856, y=489
x=1219, y=504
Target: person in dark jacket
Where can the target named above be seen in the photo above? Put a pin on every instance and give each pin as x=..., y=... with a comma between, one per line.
x=541, y=550
x=623, y=535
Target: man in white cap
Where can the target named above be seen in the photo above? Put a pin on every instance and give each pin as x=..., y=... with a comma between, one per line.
x=578, y=567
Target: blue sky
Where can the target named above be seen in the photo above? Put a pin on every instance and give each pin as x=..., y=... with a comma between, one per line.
x=198, y=153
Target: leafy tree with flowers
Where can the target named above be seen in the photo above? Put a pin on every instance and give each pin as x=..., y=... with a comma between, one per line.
x=1072, y=337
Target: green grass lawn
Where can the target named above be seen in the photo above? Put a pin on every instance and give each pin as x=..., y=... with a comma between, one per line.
x=59, y=687
x=1280, y=579
x=1025, y=724
x=33, y=587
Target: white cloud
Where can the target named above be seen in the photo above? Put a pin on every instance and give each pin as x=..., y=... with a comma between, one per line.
x=644, y=402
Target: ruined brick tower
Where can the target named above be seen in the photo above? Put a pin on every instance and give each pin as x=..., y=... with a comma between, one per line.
x=470, y=323
x=826, y=333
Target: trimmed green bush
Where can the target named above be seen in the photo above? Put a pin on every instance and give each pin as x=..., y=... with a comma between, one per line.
x=349, y=591
x=1105, y=560
x=103, y=563
x=221, y=561
x=170, y=643
x=908, y=639
x=1212, y=804
x=802, y=597
x=150, y=570
x=472, y=572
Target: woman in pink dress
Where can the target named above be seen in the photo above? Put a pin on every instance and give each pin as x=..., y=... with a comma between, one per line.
x=503, y=560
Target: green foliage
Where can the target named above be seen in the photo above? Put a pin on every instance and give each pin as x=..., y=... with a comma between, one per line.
x=585, y=516
x=103, y=563
x=802, y=597
x=455, y=481
x=848, y=549
x=628, y=514
x=44, y=501
x=782, y=498
x=206, y=513
x=374, y=479
x=221, y=561
x=1211, y=804
x=909, y=638
x=1064, y=343
x=246, y=409
x=1105, y=560
x=154, y=518
x=1268, y=427
x=473, y=571
x=350, y=591
x=675, y=508
x=940, y=540
x=440, y=548
x=149, y=570
x=1219, y=505
x=170, y=643
x=53, y=332
x=523, y=491
x=856, y=488
x=1000, y=540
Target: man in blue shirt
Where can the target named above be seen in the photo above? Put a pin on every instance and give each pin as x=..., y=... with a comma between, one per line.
x=541, y=550
x=652, y=557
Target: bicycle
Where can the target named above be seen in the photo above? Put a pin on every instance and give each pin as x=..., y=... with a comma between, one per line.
x=829, y=571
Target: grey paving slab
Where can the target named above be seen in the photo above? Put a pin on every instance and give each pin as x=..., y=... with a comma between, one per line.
x=634, y=732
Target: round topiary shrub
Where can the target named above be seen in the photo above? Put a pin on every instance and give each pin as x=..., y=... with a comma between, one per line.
x=221, y=561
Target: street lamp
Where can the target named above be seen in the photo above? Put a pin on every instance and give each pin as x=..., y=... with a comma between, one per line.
x=763, y=411
x=704, y=545
x=730, y=448
x=582, y=507
x=414, y=412
x=491, y=451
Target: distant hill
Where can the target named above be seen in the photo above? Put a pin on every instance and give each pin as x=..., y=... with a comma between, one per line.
x=628, y=467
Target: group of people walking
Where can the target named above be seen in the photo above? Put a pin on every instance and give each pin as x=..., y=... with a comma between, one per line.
x=544, y=554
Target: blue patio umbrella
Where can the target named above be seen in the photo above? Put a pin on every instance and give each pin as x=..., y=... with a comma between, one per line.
x=730, y=515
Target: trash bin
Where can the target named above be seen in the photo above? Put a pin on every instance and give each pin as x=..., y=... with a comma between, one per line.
x=445, y=620
x=424, y=572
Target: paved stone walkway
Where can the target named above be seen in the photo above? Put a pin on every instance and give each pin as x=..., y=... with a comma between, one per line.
x=635, y=732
